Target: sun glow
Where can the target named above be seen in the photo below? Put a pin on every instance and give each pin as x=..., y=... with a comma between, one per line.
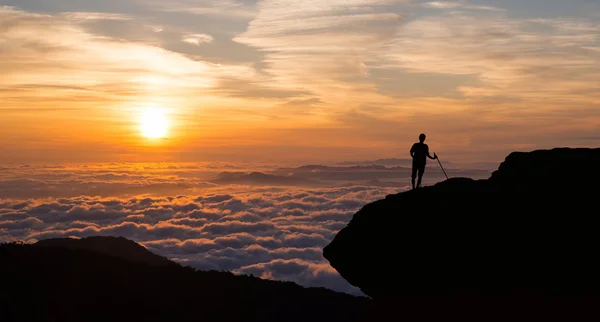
x=154, y=123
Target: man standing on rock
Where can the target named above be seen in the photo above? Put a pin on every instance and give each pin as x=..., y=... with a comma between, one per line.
x=420, y=152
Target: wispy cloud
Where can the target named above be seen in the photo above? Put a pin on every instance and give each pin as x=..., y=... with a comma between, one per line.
x=461, y=5
x=510, y=58
x=224, y=8
x=442, y=5
x=95, y=16
x=66, y=55
x=323, y=46
x=197, y=39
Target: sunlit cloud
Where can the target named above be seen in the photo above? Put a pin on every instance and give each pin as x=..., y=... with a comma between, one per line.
x=65, y=55
x=197, y=39
x=513, y=59
x=322, y=47
x=442, y=5
x=94, y=16
x=461, y=5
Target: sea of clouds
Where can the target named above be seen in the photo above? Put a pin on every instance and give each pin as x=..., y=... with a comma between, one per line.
x=173, y=210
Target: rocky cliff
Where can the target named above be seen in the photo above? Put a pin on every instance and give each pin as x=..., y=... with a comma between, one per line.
x=533, y=225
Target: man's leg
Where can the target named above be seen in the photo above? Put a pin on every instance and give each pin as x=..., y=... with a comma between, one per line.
x=421, y=172
x=414, y=175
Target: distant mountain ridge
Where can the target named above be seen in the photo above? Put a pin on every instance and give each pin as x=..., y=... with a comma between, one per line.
x=115, y=279
x=345, y=168
x=407, y=163
x=318, y=176
x=259, y=178
x=390, y=162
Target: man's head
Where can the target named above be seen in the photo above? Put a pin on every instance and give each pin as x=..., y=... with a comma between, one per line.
x=422, y=138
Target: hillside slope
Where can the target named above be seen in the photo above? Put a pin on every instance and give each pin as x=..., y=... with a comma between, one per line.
x=58, y=283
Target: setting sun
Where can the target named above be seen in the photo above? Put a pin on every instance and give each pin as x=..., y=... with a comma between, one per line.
x=154, y=123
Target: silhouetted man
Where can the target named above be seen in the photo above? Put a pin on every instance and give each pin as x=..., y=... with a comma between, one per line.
x=420, y=152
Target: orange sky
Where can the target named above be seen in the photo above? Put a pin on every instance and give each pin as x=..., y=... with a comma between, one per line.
x=287, y=80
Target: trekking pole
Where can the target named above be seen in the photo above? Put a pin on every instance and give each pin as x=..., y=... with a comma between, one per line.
x=438, y=160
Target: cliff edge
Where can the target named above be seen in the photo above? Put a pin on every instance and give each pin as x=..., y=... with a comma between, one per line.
x=533, y=225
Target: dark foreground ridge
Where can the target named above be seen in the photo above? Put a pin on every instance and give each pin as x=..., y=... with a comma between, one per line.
x=526, y=239
x=77, y=280
x=115, y=246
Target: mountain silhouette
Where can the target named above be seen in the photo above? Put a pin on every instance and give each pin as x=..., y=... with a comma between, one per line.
x=114, y=246
x=112, y=279
x=328, y=168
x=391, y=162
x=524, y=240
x=259, y=178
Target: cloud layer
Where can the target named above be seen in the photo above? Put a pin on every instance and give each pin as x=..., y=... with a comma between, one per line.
x=271, y=232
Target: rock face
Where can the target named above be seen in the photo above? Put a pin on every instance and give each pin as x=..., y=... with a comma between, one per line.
x=534, y=225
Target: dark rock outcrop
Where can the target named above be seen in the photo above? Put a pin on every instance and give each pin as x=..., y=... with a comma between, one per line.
x=77, y=280
x=532, y=228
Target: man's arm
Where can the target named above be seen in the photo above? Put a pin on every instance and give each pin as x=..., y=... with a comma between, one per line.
x=412, y=151
x=429, y=155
